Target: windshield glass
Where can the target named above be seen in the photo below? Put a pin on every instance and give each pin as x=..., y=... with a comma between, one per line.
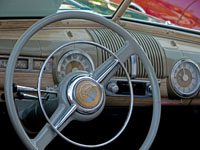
x=41, y=8
x=184, y=13
x=102, y=7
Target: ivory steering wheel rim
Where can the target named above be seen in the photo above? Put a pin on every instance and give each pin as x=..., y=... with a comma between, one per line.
x=130, y=43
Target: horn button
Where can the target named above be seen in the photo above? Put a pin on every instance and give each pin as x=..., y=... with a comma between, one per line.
x=87, y=94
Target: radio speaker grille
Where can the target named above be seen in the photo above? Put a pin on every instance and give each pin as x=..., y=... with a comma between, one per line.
x=150, y=45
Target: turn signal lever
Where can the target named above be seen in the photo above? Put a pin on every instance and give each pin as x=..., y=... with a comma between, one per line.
x=21, y=89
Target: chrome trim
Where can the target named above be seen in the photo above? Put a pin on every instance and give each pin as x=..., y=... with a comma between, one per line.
x=30, y=89
x=65, y=116
x=168, y=23
x=133, y=66
x=21, y=95
x=195, y=90
x=112, y=87
x=110, y=68
x=132, y=80
x=148, y=92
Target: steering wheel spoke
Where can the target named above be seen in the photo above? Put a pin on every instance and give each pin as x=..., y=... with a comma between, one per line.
x=105, y=71
x=65, y=116
x=44, y=137
x=126, y=51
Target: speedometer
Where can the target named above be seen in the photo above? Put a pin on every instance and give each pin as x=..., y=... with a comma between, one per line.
x=73, y=60
x=185, y=78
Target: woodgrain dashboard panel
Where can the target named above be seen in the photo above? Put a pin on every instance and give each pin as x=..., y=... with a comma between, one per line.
x=159, y=31
x=174, y=42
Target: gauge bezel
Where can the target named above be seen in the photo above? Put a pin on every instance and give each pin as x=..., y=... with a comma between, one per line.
x=178, y=92
x=68, y=53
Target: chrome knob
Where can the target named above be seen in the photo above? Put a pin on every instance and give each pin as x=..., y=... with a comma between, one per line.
x=113, y=87
x=149, y=89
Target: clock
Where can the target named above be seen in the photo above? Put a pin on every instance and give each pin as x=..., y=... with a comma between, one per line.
x=185, y=78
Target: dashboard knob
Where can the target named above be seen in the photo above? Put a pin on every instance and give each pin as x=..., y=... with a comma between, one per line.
x=113, y=87
x=149, y=89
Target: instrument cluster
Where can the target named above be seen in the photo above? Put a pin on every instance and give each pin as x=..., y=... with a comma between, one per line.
x=70, y=61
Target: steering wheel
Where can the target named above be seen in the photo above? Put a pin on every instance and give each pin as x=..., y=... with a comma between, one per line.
x=72, y=102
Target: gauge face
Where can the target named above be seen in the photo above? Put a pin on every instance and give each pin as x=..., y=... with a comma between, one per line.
x=185, y=78
x=73, y=61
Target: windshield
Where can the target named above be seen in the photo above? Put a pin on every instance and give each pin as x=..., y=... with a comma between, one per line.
x=42, y=8
x=102, y=7
x=169, y=12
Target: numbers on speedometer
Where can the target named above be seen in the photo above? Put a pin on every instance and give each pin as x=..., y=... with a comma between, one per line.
x=73, y=60
x=185, y=78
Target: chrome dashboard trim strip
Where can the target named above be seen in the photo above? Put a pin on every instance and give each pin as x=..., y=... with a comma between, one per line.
x=133, y=66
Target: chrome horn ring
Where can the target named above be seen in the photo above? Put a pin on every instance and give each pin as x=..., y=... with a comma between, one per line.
x=130, y=86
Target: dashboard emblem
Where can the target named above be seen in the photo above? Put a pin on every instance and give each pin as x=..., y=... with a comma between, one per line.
x=88, y=93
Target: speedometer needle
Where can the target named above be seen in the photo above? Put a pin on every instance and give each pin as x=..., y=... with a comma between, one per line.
x=183, y=70
x=185, y=77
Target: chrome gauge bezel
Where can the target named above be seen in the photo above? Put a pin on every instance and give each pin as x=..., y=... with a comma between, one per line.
x=178, y=92
x=67, y=54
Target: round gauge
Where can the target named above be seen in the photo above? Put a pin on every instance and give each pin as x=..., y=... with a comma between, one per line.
x=73, y=61
x=185, y=78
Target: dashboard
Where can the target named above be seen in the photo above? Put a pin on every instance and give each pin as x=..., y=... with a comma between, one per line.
x=174, y=55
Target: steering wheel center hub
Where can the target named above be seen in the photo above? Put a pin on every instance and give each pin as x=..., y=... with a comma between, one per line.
x=87, y=94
